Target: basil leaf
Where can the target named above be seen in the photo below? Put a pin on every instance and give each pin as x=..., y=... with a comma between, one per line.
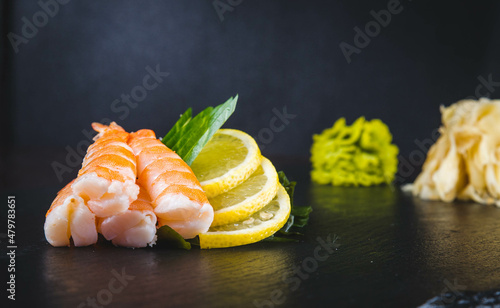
x=289, y=232
x=167, y=236
x=183, y=120
x=302, y=211
x=189, y=135
x=289, y=186
x=300, y=221
x=299, y=215
x=194, y=241
x=273, y=238
x=288, y=224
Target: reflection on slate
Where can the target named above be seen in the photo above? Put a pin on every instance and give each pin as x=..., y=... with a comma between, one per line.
x=465, y=300
x=395, y=251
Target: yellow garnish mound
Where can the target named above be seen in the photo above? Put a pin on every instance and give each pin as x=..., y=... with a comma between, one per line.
x=464, y=162
x=360, y=154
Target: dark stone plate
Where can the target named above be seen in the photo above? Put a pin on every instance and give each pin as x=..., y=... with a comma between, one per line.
x=391, y=251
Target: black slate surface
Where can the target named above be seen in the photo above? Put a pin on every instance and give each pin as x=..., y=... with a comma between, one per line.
x=391, y=251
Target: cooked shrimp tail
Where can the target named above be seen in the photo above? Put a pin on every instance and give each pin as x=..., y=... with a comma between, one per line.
x=136, y=227
x=176, y=194
x=69, y=217
x=107, y=178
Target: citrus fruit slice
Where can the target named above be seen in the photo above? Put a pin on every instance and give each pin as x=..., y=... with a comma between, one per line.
x=228, y=159
x=248, y=197
x=258, y=226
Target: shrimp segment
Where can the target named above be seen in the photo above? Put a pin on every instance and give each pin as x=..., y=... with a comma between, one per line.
x=106, y=180
x=69, y=217
x=176, y=194
x=136, y=227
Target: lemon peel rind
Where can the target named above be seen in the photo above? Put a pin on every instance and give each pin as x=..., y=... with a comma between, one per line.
x=253, y=204
x=238, y=174
x=224, y=239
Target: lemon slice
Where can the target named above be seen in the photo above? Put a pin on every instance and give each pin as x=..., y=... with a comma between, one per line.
x=228, y=159
x=258, y=226
x=248, y=197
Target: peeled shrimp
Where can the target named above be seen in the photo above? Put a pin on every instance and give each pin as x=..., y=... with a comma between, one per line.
x=107, y=178
x=136, y=227
x=67, y=217
x=176, y=194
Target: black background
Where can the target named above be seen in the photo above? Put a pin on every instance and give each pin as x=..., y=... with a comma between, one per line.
x=274, y=54
x=395, y=251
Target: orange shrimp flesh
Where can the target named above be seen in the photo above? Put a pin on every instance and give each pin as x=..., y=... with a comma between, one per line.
x=107, y=178
x=136, y=227
x=69, y=217
x=176, y=194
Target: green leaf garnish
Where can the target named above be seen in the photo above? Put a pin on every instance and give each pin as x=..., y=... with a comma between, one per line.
x=194, y=241
x=185, y=117
x=289, y=186
x=299, y=215
x=303, y=211
x=189, y=135
x=273, y=238
x=167, y=236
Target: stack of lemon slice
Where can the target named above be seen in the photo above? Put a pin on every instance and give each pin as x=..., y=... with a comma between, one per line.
x=243, y=187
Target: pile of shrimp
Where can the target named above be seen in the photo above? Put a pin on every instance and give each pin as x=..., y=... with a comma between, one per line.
x=129, y=185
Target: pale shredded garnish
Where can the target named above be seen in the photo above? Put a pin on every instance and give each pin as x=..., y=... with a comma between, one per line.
x=464, y=163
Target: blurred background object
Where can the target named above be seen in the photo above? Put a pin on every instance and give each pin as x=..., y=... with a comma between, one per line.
x=304, y=64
